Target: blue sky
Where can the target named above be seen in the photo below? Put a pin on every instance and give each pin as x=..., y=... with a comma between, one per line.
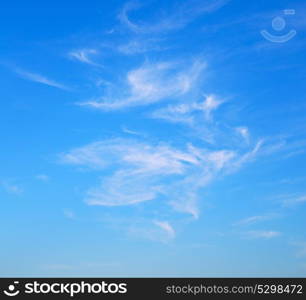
x=153, y=138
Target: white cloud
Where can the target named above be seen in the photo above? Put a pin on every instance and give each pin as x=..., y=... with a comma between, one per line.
x=220, y=158
x=42, y=177
x=91, y=155
x=166, y=227
x=84, y=55
x=129, y=131
x=186, y=112
x=185, y=12
x=255, y=219
x=210, y=104
x=244, y=133
x=10, y=187
x=40, y=79
x=137, y=46
x=123, y=188
x=139, y=172
x=294, y=200
x=156, y=230
x=248, y=156
x=264, y=234
x=151, y=83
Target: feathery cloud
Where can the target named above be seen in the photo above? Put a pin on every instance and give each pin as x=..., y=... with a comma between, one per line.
x=156, y=230
x=183, y=14
x=137, y=46
x=141, y=172
x=186, y=112
x=151, y=83
x=294, y=200
x=244, y=133
x=84, y=55
x=40, y=79
x=42, y=177
x=166, y=227
x=11, y=187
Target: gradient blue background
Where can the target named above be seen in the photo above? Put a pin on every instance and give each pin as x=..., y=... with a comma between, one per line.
x=47, y=229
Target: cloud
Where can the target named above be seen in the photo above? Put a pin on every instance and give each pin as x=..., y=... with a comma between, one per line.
x=123, y=188
x=40, y=79
x=262, y=234
x=11, y=187
x=164, y=225
x=128, y=131
x=151, y=83
x=294, y=201
x=158, y=231
x=84, y=55
x=248, y=156
x=183, y=14
x=255, y=219
x=138, y=172
x=244, y=133
x=210, y=104
x=186, y=112
x=42, y=177
x=141, y=171
x=137, y=46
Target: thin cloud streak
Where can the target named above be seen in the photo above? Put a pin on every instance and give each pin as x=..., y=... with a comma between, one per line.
x=294, y=201
x=11, y=187
x=255, y=219
x=262, y=234
x=164, y=225
x=184, y=14
x=40, y=79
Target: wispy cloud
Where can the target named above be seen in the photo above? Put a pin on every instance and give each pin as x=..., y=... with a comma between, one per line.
x=143, y=172
x=166, y=227
x=186, y=112
x=256, y=219
x=158, y=231
x=244, y=133
x=262, y=234
x=150, y=83
x=137, y=46
x=248, y=156
x=294, y=200
x=40, y=79
x=10, y=187
x=84, y=56
x=42, y=177
x=184, y=13
x=129, y=131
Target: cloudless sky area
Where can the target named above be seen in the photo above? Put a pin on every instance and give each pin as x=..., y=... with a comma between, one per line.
x=153, y=138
